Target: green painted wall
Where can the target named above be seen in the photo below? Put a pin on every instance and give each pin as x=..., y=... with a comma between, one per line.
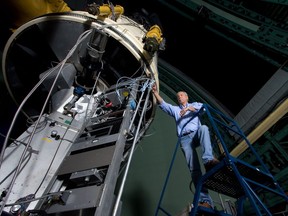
x=149, y=168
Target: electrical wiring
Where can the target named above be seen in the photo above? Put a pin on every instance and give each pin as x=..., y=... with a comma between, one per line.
x=60, y=66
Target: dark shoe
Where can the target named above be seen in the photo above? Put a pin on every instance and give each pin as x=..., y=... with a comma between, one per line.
x=210, y=164
x=205, y=205
x=201, y=204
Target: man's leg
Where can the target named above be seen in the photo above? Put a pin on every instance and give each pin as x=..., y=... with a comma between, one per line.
x=189, y=150
x=203, y=137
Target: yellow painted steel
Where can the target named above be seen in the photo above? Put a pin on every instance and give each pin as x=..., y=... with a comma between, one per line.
x=276, y=115
x=155, y=32
x=24, y=11
x=105, y=10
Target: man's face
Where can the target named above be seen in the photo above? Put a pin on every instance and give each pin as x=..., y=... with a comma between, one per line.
x=182, y=98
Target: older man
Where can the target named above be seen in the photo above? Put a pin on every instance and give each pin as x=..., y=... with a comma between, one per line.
x=191, y=134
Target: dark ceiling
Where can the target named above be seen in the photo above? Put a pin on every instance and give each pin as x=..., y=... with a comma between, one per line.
x=230, y=67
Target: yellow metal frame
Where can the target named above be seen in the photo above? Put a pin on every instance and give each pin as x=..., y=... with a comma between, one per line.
x=24, y=11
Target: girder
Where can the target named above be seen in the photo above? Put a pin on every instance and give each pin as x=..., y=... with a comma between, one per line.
x=261, y=35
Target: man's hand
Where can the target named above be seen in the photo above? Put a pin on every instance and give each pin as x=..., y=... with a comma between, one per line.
x=156, y=94
x=184, y=110
x=154, y=88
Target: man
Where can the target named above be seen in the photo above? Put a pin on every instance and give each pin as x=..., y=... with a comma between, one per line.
x=191, y=134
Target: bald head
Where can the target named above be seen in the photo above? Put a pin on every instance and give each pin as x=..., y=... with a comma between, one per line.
x=182, y=97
